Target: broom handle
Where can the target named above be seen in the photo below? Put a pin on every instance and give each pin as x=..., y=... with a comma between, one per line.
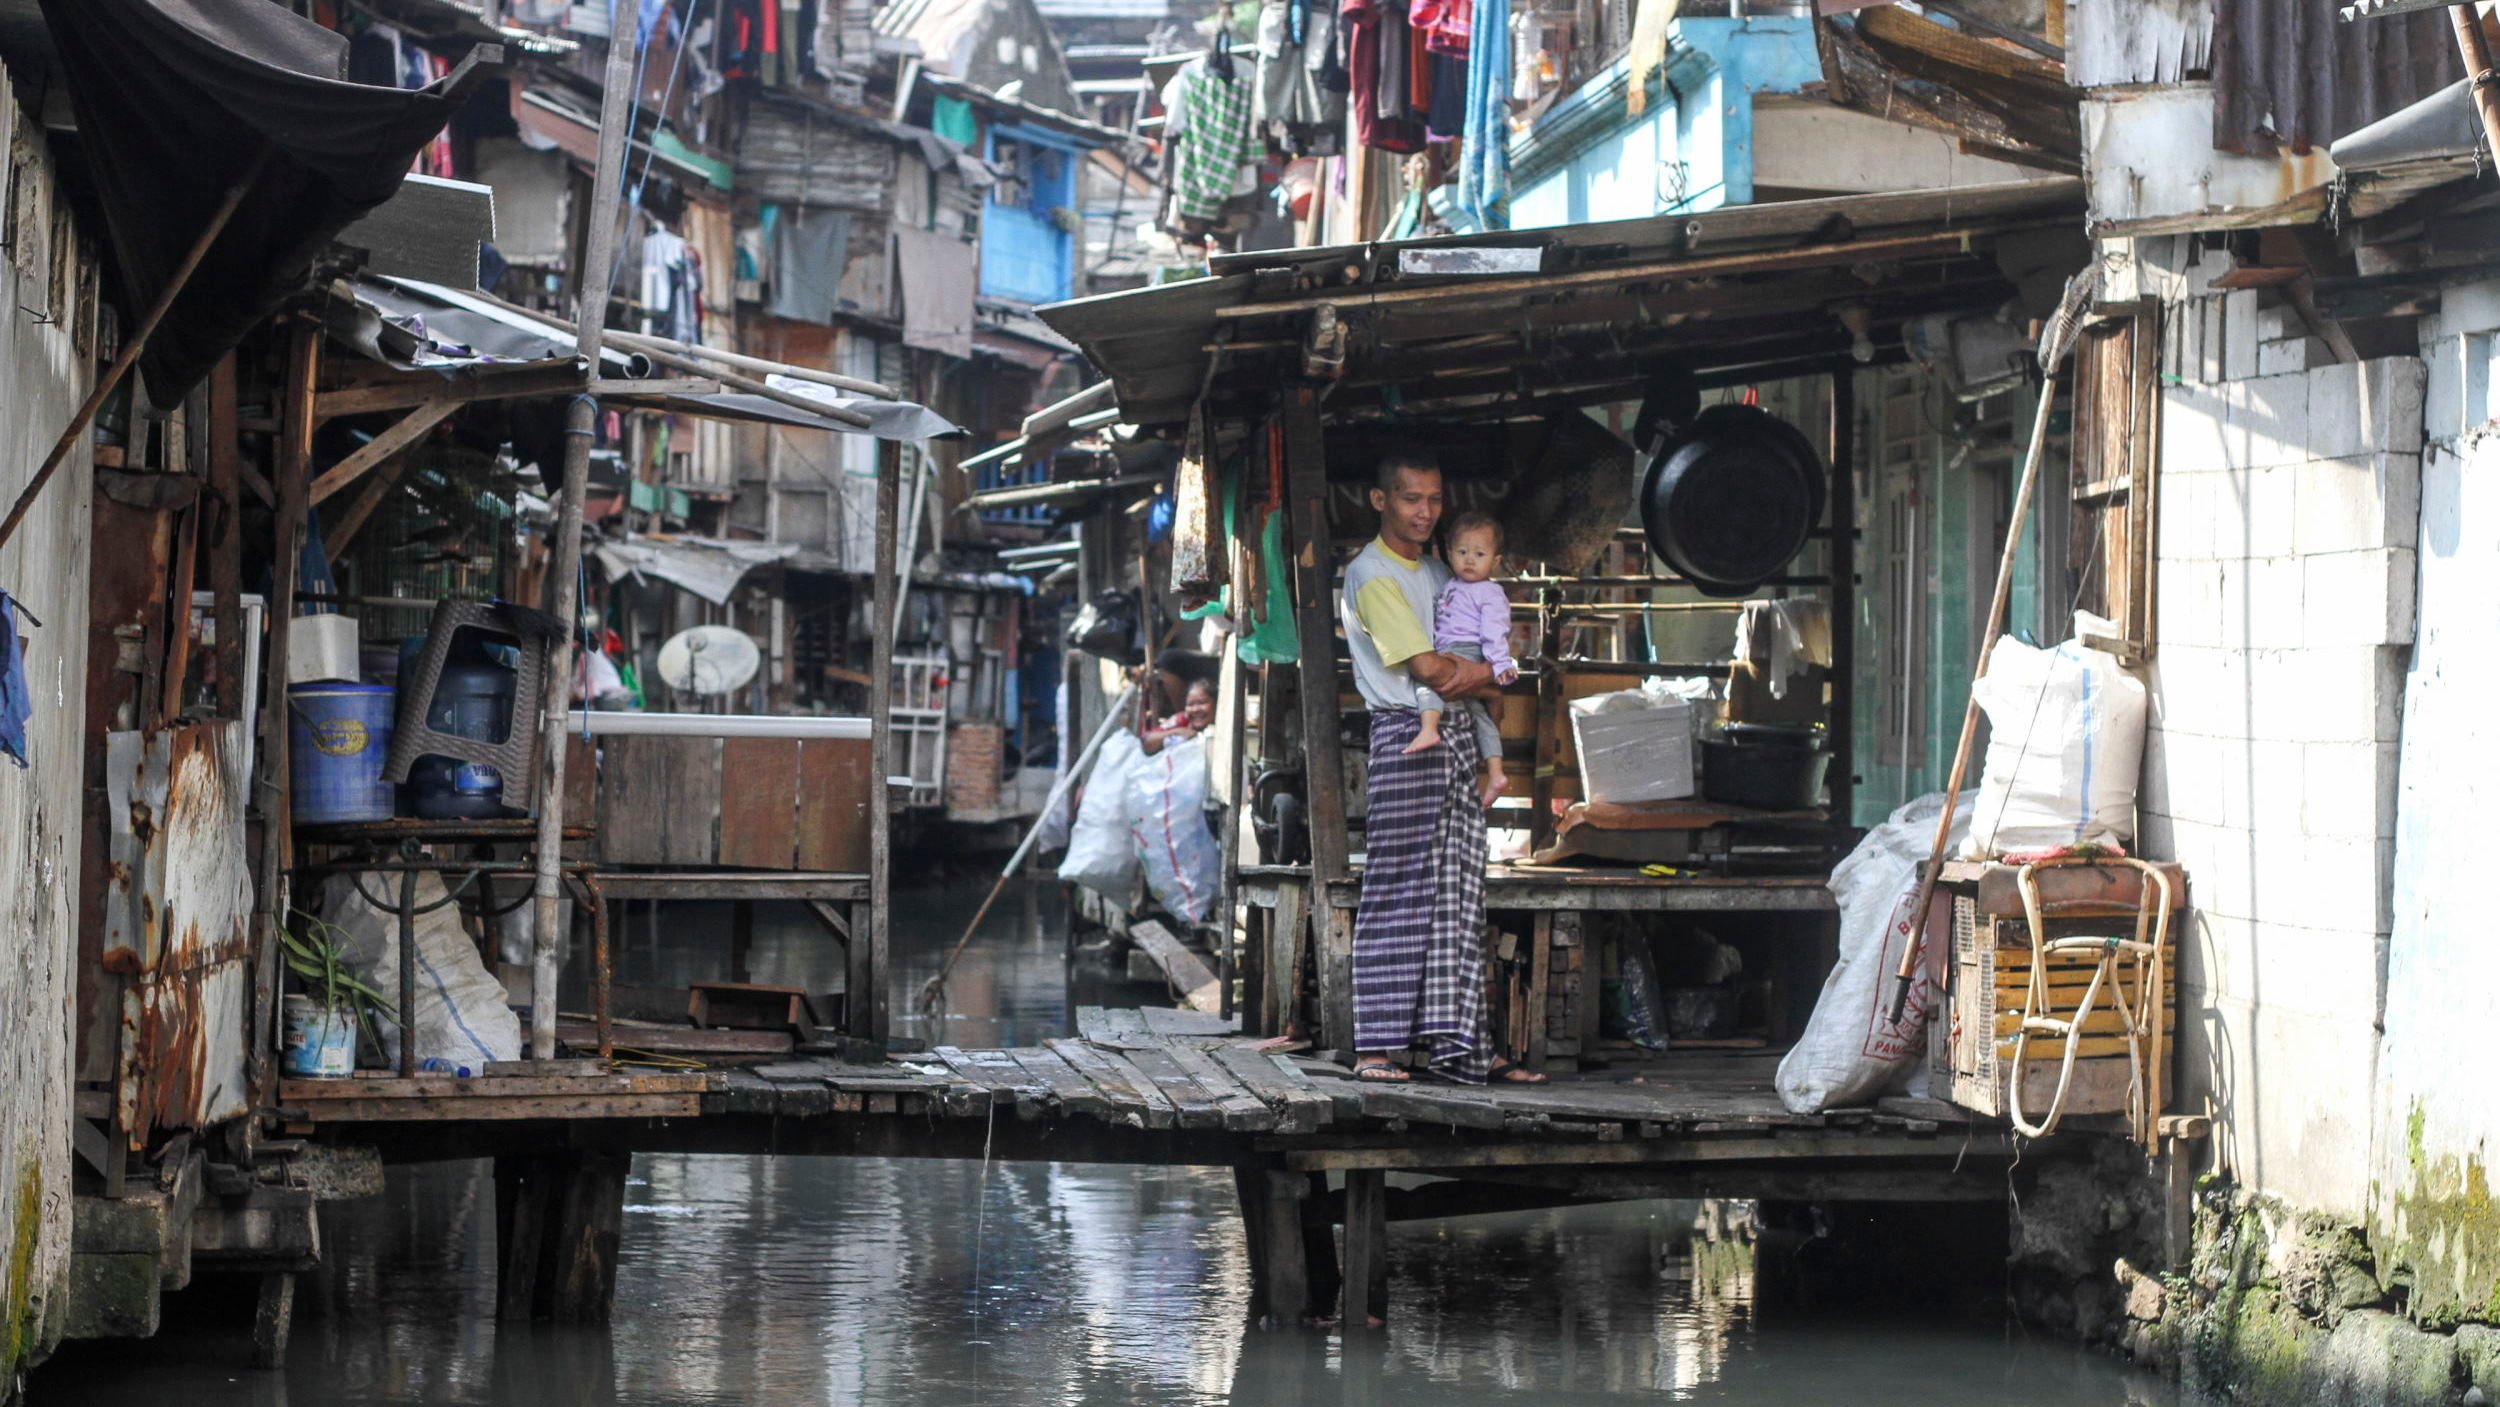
x=1910, y=953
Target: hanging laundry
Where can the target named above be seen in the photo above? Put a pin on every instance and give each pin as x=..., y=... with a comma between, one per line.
x=1375, y=45
x=16, y=701
x=1214, y=141
x=672, y=286
x=1445, y=117
x=1444, y=24
x=1484, y=154
x=1299, y=106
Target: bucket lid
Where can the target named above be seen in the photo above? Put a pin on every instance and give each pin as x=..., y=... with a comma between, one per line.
x=328, y=686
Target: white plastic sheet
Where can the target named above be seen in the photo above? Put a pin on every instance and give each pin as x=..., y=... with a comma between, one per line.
x=461, y=1015
x=1850, y=1053
x=1101, y=854
x=1167, y=817
x=2065, y=745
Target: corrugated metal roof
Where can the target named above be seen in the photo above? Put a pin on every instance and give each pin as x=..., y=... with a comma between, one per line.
x=1749, y=286
x=2291, y=74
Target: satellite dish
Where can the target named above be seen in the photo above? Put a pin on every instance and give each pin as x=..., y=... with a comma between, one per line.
x=709, y=659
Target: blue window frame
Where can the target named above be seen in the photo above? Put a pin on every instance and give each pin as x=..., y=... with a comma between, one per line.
x=1027, y=256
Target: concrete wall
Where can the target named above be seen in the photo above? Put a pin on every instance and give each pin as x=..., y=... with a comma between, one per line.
x=43, y=376
x=2431, y=1220
x=2289, y=485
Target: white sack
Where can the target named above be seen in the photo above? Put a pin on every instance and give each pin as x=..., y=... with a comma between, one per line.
x=462, y=1016
x=1167, y=816
x=516, y=930
x=1101, y=855
x=2065, y=743
x=1850, y=1054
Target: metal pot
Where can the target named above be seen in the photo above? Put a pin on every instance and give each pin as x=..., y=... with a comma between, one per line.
x=1732, y=501
x=1774, y=767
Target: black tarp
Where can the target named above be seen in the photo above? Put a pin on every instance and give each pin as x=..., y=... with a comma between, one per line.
x=175, y=99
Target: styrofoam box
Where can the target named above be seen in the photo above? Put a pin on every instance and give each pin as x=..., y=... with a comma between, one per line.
x=1633, y=748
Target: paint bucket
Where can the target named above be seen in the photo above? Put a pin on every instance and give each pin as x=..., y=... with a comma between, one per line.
x=337, y=737
x=319, y=1044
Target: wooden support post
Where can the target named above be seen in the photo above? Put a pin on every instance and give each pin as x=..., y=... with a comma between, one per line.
x=1843, y=563
x=563, y=573
x=1366, y=1296
x=1306, y=489
x=295, y=400
x=741, y=938
x=558, y=1219
x=1284, y=1256
x=868, y=1000
x=273, y=1319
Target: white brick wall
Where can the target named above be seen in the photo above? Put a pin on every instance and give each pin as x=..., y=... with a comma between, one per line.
x=2290, y=497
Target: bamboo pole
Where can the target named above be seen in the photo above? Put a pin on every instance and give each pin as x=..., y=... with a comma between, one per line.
x=132, y=346
x=867, y=1000
x=1911, y=951
x=597, y=268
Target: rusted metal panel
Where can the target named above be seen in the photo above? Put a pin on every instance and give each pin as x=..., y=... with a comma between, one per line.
x=2152, y=168
x=177, y=924
x=2117, y=42
x=2291, y=75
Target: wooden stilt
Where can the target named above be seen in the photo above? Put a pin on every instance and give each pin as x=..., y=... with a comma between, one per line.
x=558, y=1219
x=1306, y=487
x=1288, y=1261
x=1250, y=1188
x=1366, y=1303
x=1319, y=1246
x=273, y=1319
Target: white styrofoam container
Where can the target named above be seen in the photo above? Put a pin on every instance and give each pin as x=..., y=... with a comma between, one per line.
x=321, y=649
x=1633, y=747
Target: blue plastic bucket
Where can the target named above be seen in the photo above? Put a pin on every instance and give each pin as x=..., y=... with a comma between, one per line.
x=337, y=736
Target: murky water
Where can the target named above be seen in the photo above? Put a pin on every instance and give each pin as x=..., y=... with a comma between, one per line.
x=784, y=1281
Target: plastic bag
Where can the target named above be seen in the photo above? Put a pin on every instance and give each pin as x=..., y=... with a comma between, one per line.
x=1634, y=1010
x=2065, y=744
x=1850, y=1053
x=1101, y=854
x=461, y=1017
x=1106, y=626
x=1167, y=817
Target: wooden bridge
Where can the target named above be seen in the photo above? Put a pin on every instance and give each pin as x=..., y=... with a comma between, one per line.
x=1168, y=1088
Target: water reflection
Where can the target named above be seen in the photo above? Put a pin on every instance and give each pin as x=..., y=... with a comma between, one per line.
x=763, y=1280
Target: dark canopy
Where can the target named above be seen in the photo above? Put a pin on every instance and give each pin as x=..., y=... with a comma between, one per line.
x=175, y=99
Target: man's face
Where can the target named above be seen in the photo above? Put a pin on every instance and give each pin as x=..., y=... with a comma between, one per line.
x=1410, y=509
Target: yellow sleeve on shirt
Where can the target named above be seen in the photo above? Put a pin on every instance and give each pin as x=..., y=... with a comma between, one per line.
x=1390, y=622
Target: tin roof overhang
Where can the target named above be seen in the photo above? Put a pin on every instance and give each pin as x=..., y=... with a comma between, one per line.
x=1748, y=292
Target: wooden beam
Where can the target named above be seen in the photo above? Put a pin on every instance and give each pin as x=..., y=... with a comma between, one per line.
x=1181, y=967
x=402, y=433
x=1818, y=256
x=463, y=387
x=867, y=996
x=1366, y=1295
x=1837, y=1146
x=1306, y=492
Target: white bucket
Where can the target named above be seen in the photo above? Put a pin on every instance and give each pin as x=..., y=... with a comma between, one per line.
x=319, y=1044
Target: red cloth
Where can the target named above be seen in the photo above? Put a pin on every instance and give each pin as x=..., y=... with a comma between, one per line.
x=1445, y=26
x=1363, y=68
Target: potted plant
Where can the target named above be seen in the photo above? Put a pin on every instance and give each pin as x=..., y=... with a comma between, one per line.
x=324, y=1020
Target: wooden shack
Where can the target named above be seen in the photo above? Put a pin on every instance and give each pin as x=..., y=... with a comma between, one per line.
x=1289, y=373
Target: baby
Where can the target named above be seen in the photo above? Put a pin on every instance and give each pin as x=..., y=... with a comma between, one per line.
x=1471, y=620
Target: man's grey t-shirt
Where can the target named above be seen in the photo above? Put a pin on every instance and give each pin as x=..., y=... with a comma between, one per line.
x=1387, y=608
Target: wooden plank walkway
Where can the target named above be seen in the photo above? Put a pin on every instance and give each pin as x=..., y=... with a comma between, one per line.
x=1171, y=1086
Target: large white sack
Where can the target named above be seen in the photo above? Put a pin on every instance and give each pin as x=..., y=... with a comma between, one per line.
x=1850, y=1054
x=462, y=1016
x=1167, y=815
x=1101, y=854
x=2065, y=745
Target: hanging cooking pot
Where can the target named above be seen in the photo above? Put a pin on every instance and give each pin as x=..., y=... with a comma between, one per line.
x=1731, y=502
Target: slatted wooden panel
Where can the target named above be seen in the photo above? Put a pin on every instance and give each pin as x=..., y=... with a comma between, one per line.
x=658, y=800
x=759, y=811
x=836, y=784
x=2117, y=449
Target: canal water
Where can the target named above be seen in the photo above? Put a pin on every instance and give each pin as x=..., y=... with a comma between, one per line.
x=802, y=1281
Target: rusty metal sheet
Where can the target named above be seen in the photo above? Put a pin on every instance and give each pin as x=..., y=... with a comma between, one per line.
x=2291, y=75
x=177, y=924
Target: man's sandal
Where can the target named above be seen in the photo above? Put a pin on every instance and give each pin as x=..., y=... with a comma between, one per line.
x=1511, y=1072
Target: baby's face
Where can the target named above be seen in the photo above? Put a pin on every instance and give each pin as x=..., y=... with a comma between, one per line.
x=1472, y=557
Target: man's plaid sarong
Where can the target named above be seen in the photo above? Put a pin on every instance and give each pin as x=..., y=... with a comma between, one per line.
x=1419, y=931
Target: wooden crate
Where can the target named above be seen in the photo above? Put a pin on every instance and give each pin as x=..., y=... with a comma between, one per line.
x=1990, y=973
